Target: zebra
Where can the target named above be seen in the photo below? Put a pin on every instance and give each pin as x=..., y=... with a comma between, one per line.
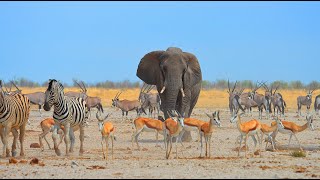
x=14, y=115
x=72, y=113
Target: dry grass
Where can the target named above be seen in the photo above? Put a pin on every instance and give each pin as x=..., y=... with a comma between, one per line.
x=298, y=154
x=214, y=98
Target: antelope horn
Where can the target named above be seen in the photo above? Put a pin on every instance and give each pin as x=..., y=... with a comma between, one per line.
x=78, y=85
x=162, y=90
x=119, y=94
x=97, y=116
x=15, y=85
x=234, y=87
x=208, y=115
x=84, y=86
x=228, y=86
x=183, y=95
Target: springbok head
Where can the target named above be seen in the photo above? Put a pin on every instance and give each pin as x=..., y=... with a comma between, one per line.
x=176, y=116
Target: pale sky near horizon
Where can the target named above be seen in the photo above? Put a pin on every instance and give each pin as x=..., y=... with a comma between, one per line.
x=99, y=41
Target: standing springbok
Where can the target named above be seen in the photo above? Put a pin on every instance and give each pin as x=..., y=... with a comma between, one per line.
x=126, y=105
x=268, y=130
x=249, y=128
x=292, y=129
x=304, y=100
x=142, y=124
x=107, y=131
x=14, y=114
x=206, y=130
x=47, y=125
x=173, y=128
x=317, y=104
x=149, y=100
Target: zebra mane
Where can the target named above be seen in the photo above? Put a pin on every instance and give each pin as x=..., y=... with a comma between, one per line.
x=51, y=82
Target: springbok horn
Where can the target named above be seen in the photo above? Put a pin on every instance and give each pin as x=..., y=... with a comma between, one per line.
x=97, y=116
x=183, y=95
x=162, y=90
x=208, y=115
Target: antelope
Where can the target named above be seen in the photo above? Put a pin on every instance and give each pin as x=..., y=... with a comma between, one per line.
x=47, y=125
x=304, y=100
x=173, y=128
x=126, y=105
x=142, y=124
x=276, y=100
x=107, y=131
x=261, y=100
x=268, y=130
x=82, y=93
x=292, y=129
x=231, y=96
x=149, y=100
x=193, y=124
x=317, y=104
x=246, y=129
x=206, y=130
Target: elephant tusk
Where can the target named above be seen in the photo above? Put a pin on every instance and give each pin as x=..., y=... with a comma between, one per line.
x=162, y=90
x=183, y=95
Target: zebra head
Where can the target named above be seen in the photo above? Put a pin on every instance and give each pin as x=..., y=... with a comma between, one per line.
x=55, y=89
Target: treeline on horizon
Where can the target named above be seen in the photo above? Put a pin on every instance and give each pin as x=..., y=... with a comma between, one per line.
x=217, y=84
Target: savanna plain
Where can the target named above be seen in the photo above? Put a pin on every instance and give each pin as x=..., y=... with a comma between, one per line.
x=150, y=161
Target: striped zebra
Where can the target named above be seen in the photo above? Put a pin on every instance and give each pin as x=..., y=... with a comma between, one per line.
x=14, y=114
x=70, y=112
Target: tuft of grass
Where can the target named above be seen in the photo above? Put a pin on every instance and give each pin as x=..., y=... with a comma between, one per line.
x=298, y=154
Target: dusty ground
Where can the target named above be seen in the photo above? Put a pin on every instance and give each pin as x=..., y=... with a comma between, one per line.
x=150, y=162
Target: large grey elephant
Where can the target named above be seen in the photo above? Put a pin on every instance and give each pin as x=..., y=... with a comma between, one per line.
x=178, y=78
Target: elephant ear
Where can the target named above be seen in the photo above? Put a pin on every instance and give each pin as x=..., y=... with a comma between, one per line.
x=193, y=74
x=149, y=68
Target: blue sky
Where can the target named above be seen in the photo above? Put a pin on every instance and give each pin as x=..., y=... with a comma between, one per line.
x=99, y=41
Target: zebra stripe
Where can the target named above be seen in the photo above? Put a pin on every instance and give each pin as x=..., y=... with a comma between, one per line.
x=14, y=108
x=73, y=110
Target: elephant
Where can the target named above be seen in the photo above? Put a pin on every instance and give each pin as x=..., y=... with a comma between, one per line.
x=177, y=76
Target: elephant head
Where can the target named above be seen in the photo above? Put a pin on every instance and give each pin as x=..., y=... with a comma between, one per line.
x=176, y=74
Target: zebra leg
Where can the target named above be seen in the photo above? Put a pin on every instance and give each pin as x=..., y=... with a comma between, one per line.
x=5, y=135
x=40, y=110
x=54, y=138
x=81, y=139
x=15, y=141
x=72, y=139
x=66, y=137
x=21, y=137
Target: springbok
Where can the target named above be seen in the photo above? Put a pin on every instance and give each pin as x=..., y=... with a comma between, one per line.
x=47, y=125
x=249, y=128
x=304, y=100
x=292, y=128
x=173, y=128
x=268, y=130
x=206, y=130
x=107, y=131
x=142, y=124
x=126, y=105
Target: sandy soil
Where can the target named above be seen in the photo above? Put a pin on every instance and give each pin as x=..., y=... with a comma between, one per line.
x=150, y=162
